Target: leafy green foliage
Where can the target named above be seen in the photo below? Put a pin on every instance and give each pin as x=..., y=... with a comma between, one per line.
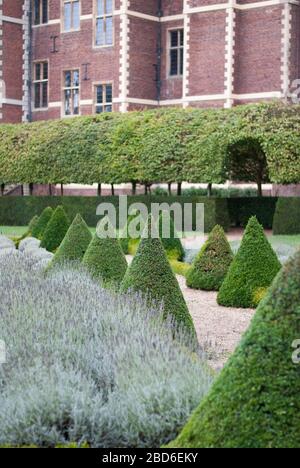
x=150, y=273
x=164, y=145
x=254, y=267
x=212, y=263
x=39, y=229
x=105, y=260
x=287, y=216
x=32, y=225
x=242, y=209
x=56, y=230
x=74, y=245
x=170, y=240
x=255, y=401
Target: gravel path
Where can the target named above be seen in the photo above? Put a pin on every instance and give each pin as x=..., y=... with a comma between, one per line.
x=219, y=329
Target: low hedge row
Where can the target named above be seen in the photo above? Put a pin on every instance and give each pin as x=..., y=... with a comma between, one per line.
x=242, y=209
x=287, y=216
x=18, y=211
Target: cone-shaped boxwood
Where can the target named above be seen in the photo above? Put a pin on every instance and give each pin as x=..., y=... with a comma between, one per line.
x=32, y=225
x=39, y=229
x=212, y=263
x=255, y=401
x=104, y=259
x=151, y=274
x=252, y=270
x=172, y=243
x=56, y=230
x=75, y=243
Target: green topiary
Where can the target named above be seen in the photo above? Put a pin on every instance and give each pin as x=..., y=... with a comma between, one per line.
x=31, y=226
x=105, y=260
x=151, y=274
x=56, y=230
x=172, y=244
x=254, y=267
x=75, y=243
x=212, y=263
x=255, y=401
x=39, y=229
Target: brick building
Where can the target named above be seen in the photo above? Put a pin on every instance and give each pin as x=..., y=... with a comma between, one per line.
x=60, y=58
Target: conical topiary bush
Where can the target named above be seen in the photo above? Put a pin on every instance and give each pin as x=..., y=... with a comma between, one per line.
x=56, y=230
x=32, y=225
x=75, y=243
x=255, y=401
x=39, y=229
x=151, y=274
x=252, y=270
x=172, y=243
x=105, y=260
x=212, y=263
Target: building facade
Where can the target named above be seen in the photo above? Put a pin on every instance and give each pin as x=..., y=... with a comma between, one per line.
x=62, y=58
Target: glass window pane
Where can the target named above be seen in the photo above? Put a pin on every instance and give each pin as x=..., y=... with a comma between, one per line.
x=108, y=108
x=174, y=38
x=38, y=71
x=109, y=6
x=67, y=79
x=76, y=78
x=45, y=71
x=76, y=101
x=99, y=109
x=37, y=12
x=173, y=62
x=37, y=95
x=44, y=94
x=100, y=36
x=68, y=102
x=100, y=7
x=109, y=30
x=181, y=62
x=108, y=93
x=99, y=94
x=67, y=17
x=76, y=15
x=45, y=11
x=181, y=37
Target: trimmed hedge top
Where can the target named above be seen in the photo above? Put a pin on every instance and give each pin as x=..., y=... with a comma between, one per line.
x=150, y=273
x=212, y=263
x=255, y=401
x=163, y=145
x=252, y=270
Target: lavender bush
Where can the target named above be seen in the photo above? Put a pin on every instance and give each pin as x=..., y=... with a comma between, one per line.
x=86, y=365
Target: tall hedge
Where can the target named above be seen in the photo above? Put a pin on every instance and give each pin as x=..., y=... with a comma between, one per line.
x=287, y=217
x=74, y=245
x=252, y=270
x=212, y=263
x=150, y=273
x=255, y=403
x=163, y=145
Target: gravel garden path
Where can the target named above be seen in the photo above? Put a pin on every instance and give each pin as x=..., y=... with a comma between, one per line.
x=219, y=329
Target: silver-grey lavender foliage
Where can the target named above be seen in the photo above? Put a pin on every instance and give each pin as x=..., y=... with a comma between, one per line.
x=85, y=365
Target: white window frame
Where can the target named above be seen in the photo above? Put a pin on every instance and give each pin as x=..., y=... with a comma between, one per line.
x=40, y=82
x=104, y=17
x=71, y=88
x=41, y=23
x=72, y=29
x=178, y=48
x=105, y=103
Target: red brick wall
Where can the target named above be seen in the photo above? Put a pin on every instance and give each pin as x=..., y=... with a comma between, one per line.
x=258, y=50
x=12, y=52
